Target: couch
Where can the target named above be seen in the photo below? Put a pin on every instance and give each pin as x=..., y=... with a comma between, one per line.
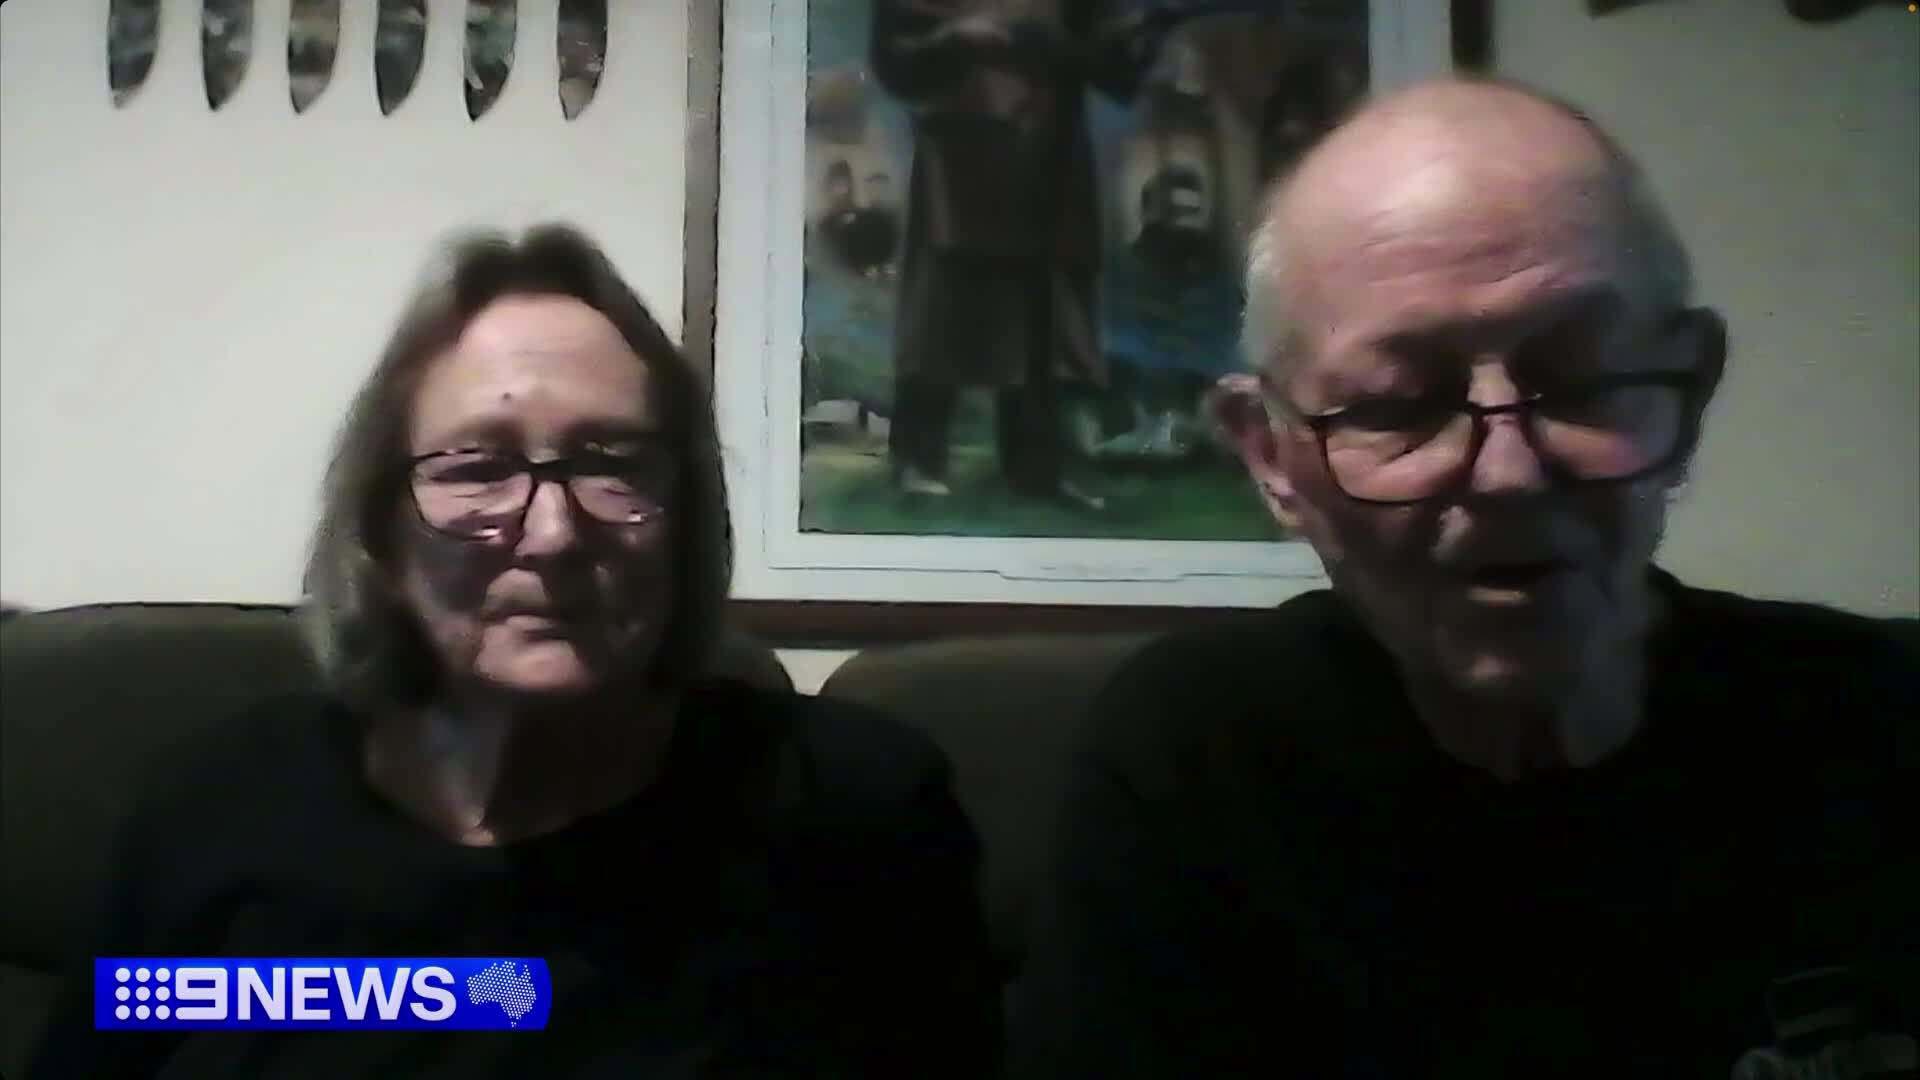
x=88, y=695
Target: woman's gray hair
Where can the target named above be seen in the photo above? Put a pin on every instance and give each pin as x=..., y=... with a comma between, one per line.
x=1268, y=333
x=370, y=647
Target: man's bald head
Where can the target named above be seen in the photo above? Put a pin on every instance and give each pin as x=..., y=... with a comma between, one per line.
x=1466, y=150
x=1483, y=376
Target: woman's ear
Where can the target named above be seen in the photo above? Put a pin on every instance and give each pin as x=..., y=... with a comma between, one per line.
x=1240, y=413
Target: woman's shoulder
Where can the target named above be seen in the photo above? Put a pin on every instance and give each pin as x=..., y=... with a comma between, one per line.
x=208, y=804
x=270, y=746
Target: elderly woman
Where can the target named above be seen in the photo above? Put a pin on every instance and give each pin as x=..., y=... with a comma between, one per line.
x=516, y=585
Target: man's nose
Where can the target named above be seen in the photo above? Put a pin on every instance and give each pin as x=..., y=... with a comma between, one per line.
x=548, y=528
x=1507, y=462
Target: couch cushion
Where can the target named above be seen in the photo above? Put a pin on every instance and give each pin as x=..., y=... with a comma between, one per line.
x=27, y=998
x=1007, y=711
x=88, y=697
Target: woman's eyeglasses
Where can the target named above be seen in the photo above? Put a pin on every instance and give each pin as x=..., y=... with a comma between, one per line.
x=476, y=494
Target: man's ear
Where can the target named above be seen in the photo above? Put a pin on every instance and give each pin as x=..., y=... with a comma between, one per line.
x=1707, y=341
x=1239, y=410
x=1704, y=339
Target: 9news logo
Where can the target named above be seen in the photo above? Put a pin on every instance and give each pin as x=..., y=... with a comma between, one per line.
x=357, y=993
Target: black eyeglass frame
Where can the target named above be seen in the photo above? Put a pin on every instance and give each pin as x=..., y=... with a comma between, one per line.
x=1687, y=382
x=559, y=470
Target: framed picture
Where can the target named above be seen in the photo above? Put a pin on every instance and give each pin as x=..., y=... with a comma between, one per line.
x=966, y=269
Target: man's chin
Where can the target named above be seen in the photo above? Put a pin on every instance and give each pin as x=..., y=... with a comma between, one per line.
x=1527, y=670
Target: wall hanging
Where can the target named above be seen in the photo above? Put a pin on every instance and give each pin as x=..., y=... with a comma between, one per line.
x=133, y=33
x=491, y=27
x=848, y=157
x=582, y=48
x=226, y=44
x=313, y=39
x=400, y=41
x=490, y=30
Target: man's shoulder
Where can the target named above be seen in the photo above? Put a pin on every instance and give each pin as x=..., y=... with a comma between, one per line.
x=1788, y=619
x=834, y=753
x=1237, y=644
x=1792, y=640
x=1213, y=697
x=1854, y=678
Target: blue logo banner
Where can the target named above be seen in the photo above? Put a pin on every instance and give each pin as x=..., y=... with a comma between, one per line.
x=186, y=993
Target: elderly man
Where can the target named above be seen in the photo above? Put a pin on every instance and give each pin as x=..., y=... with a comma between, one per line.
x=1507, y=800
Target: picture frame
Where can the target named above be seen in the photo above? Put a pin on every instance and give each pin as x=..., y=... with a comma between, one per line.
x=745, y=220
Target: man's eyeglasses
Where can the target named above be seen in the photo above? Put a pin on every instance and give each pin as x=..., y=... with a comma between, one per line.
x=1606, y=429
x=481, y=494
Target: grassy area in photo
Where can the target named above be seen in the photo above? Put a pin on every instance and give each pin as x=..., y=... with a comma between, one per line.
x=848, y=488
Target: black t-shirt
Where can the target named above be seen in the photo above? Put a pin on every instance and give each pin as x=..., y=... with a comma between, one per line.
x=1266, y=868
x=794, y=897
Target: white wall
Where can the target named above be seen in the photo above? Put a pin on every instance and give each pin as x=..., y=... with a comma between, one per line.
x=187, y=298
x=1789, y=153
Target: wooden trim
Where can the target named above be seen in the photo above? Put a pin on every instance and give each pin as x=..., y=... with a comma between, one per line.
x=701, y=221
x=850, y=624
